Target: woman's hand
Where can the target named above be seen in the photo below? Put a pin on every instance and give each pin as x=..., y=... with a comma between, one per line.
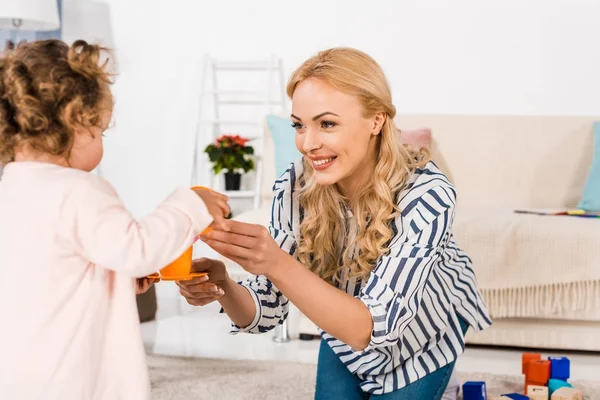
x=143, y=284
x=249, y=245
x=205, y=289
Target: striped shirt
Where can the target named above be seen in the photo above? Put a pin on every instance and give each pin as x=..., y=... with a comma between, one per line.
x=416, y=293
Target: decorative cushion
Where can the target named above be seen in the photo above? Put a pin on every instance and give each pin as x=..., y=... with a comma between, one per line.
x=284, y=143
x=590, y=200
x=416, y=137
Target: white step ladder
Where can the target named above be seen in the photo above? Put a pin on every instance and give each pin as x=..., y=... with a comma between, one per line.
x=257, y=102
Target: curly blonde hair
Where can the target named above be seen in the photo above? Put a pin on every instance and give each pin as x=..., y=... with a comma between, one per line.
x=46, y=87
x=329, y=242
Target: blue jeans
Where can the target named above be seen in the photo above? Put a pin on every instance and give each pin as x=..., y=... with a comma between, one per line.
x=336, y=382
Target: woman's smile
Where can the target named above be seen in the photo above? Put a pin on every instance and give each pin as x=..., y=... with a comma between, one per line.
x=322, y=163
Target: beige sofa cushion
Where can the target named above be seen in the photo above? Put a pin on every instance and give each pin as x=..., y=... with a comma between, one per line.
x=511, y=161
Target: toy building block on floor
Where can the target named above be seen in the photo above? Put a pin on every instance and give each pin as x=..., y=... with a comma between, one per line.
x=526, y=358
x=537, y=392
x=515, y=396
x=552, y=372
x=560, y=368
x=538, y=373
x=566, y=393
x=555, y=384
x=474, y=391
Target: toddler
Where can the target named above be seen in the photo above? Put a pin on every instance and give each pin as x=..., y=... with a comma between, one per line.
x=69, y=250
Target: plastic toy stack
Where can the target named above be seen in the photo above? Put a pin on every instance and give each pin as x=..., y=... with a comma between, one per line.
x=544, y=380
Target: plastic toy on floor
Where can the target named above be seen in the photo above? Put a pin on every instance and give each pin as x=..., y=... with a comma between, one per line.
x=566, y=393
x=537, y=392
x=538, y=373
x=544, y=378
x=514, y=396
x=560, y=368
x=527, y=358
x=474, y=391
x=555, y=384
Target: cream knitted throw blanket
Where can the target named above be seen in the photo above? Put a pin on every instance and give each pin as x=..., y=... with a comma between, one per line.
x=529, y=265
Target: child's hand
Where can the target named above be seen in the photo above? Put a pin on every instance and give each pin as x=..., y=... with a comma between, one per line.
x=217, y=206
x=143, y=284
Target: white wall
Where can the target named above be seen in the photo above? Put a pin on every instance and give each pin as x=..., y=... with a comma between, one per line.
x=462, y=56
x=459, y=56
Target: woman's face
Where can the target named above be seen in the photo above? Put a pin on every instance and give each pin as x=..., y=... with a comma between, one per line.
x=334, y=136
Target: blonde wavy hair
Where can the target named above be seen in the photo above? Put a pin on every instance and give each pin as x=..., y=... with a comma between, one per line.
x=329, y=241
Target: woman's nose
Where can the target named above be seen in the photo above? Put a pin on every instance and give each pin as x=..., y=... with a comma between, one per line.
x=311, y=141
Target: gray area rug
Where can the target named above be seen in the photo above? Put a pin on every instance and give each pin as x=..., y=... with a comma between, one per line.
x=177, y=378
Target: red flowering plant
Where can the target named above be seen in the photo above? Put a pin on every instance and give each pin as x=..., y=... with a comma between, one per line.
x=231, y=154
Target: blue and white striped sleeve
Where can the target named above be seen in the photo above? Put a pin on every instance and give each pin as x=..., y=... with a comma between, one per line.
x=395, y=288
x=271, y=305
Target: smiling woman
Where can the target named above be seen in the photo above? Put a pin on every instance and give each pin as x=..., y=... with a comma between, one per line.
x=360, y=241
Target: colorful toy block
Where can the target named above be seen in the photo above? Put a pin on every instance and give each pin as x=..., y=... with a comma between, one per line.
x=516, y=396
x=526, y=358
x=560, y=368
x=538, y=371
x=555, y=384
x=544, y=378
x=474, y=391
x=529, y=382
x=566, y=393
x=537, y=392
x=532, y=383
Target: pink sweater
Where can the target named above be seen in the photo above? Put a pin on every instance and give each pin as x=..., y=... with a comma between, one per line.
x=69, y=252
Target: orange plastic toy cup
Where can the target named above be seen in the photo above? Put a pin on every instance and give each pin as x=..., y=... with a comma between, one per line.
x=181, y=268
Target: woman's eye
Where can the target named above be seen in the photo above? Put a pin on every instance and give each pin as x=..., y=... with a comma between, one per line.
x=328, y=124
x=297, y=125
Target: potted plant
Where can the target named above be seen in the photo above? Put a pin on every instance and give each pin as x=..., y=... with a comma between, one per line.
x=230, y=153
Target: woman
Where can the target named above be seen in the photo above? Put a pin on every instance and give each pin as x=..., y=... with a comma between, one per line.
x=360, y=241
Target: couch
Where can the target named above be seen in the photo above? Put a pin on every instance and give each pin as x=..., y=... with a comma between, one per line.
x=539, y=275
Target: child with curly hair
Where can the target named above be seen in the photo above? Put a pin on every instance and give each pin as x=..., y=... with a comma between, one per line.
x=69, y=249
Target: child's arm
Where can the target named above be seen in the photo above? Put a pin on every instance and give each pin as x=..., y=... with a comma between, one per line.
x=94, y=220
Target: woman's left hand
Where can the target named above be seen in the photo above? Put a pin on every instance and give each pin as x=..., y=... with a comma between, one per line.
x=249, y=245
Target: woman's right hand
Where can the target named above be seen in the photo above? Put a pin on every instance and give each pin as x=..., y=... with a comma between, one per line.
x=216, y=204
x=206, y=289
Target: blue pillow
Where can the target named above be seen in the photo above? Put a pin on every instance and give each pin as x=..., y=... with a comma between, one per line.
x=283, y=135
x=591, y=193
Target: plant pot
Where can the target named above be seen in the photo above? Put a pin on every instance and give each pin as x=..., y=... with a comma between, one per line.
x=232, y=181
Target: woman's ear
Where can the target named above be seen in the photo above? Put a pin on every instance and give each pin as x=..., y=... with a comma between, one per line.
x=378, y=121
